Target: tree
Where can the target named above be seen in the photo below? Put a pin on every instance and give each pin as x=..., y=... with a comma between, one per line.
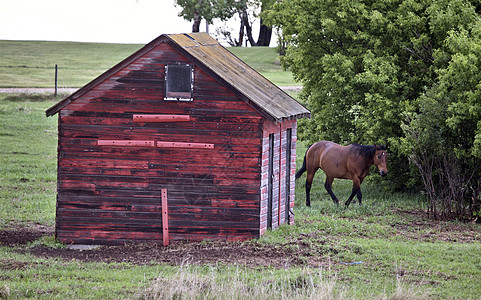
x=443, y=136
x=265, y=31
x=357, y=66
x=196, y=10
x=370, y=70
x=247, y=9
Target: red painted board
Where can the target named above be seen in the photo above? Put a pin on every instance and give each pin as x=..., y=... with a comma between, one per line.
x=161, y=144
x=126, y=143
x=165, y=218
x=144, y=118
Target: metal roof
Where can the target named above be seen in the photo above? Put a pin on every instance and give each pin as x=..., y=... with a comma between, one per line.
x=201, y=48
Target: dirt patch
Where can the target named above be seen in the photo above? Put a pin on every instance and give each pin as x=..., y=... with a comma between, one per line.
x=250, y=254
x=186, y=253
x=18, y=236
x=422, y=228
x=6, y=264
x=300, y=250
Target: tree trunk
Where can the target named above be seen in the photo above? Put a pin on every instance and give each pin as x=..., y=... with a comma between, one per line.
x=241, y=31
x=245, y=20
x=197, y=19
x=265, y=34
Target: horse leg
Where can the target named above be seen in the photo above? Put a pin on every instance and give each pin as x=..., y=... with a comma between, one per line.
x=310, y=176
x=328, y=186
x=356, y=190
x=359, y=193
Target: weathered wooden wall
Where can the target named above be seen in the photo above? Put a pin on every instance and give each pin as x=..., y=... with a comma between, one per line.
x=111, y=194
x=277, y=203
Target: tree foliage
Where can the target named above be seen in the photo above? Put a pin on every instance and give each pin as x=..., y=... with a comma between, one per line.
x=401, y=71
x=196, y=10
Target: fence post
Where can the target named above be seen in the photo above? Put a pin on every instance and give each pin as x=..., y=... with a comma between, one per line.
x=56, y=76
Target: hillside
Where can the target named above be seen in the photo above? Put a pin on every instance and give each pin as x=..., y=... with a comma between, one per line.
x=32, y=63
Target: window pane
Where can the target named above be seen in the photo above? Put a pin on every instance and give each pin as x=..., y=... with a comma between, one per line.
x=178, y=82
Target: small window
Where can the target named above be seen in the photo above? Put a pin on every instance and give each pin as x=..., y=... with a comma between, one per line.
x=179, y=80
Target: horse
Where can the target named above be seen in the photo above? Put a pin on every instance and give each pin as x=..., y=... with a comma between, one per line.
x=344, y=162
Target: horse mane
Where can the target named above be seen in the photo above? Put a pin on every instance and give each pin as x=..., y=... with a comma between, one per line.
x=368, y=150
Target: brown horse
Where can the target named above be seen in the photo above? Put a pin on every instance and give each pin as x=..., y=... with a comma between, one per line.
x=345, y=162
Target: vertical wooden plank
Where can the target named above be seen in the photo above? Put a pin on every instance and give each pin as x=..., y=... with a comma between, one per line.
x=165, y=218
x=270, y=184
x=288, y=174
x=279, y=204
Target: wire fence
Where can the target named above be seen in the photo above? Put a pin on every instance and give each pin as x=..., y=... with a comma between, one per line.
x=54, y=68
x=39, y=67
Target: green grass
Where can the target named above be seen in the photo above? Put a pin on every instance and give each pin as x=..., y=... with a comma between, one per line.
x=26, y=276
x=440, y=269
x=32, y=63
x=397, y=258
x=28, y=143
x=266, y=61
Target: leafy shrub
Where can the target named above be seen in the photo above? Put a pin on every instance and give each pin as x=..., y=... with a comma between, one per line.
x=402, y=71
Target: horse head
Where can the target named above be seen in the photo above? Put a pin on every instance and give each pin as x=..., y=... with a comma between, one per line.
x=380, y=158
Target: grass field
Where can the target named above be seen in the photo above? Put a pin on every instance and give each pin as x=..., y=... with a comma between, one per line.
x=386, y=249
x=32, y=63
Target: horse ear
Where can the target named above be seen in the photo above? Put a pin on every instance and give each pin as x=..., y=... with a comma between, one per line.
x=387, y=145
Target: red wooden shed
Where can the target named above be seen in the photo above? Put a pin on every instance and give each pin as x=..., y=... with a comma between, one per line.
x=179, y=141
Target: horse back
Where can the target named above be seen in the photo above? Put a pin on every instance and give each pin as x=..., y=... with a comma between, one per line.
x=332, y=158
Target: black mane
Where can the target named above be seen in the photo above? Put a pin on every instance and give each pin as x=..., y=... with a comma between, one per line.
x=368, y=150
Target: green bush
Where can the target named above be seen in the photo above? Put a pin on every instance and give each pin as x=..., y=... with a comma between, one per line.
x=377, y=71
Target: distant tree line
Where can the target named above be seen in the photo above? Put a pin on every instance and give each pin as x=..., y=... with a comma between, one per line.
x=404, y=72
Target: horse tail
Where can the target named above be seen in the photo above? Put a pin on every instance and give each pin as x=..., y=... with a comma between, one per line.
x=303, y=168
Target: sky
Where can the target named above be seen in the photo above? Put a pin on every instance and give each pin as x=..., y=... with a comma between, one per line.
x=104, y=21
